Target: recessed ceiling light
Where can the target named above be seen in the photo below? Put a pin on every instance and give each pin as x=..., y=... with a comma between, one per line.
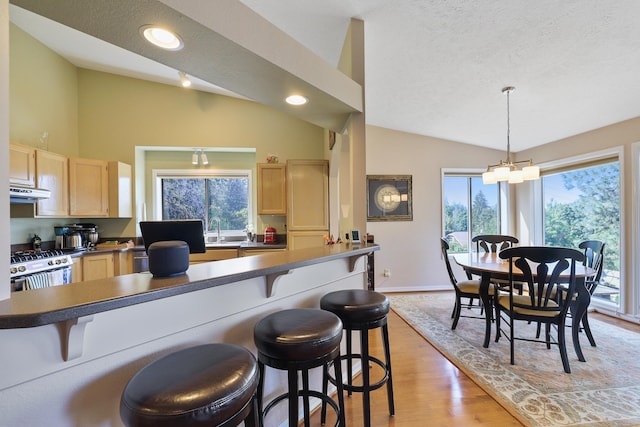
x=161, y=37
x=296, y=100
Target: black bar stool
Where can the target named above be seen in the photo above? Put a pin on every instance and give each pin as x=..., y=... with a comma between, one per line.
x=298, y=340
x=362, y=310
x=210, y=385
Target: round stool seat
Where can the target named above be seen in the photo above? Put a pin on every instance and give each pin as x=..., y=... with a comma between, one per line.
x=168, y=258
x=356, y=305
x=204, y=385
x=300, y=334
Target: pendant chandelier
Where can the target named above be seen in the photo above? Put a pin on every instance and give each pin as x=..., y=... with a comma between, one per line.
x=508, y=170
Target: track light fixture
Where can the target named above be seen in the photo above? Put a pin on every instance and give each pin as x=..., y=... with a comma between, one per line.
x=184, y=80
x=199, y=157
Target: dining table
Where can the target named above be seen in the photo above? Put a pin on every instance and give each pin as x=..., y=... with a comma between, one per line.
x=489, y=266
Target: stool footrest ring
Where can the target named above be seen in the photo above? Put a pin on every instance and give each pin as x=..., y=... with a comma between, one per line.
x=303, y=393
x=360, y=388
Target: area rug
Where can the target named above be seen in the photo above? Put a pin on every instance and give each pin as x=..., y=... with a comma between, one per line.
x=604, y=391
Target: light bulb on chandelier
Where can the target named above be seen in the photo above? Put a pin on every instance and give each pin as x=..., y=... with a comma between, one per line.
x=508, y=170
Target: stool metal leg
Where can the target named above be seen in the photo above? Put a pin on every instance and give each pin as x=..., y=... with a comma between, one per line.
x=349, y=362
x=325, y=391
x=293, y=398
x=260, y=393
x=337, y=369
x=387, y=356
x=305, y=396
x=366, y=392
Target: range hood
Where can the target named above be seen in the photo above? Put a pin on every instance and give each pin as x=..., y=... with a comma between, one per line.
x=19, y=194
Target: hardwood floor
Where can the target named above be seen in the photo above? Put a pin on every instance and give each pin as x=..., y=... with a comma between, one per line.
x=430, y=390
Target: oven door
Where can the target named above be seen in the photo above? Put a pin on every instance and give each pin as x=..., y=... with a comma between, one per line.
x=45, y=279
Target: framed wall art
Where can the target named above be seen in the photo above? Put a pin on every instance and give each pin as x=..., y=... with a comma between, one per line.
x=389, y=198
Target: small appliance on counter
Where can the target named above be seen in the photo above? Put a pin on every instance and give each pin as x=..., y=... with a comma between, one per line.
x=270, y=235
x=88, y=233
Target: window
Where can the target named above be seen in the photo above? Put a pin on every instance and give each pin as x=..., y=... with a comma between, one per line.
x=220, y=198
x=583, y=203
x=468, y=204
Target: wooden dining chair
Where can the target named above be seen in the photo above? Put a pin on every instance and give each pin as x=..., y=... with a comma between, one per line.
x=464, y=289
x=593, y=258
x=540, y=303
x=494, y=243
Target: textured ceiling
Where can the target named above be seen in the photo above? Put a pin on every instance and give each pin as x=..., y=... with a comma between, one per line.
x=437, y=67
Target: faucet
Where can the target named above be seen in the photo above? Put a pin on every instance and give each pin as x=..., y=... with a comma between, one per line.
x=217, y=220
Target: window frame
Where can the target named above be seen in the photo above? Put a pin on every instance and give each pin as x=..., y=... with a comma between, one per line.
x=159, y=174
x=503, y=198
x=577, y=162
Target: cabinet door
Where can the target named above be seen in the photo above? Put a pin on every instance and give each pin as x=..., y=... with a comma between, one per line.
x=88, y=188
x=52, y=173
x=76, y=270
x=272, y=189
x=97, y=266
x=307, y=195
x=120, y=191
x=305, y=239
x=213, y=255
x=22, y=165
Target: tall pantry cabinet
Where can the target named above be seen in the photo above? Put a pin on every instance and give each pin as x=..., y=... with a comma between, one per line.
x=307, y=203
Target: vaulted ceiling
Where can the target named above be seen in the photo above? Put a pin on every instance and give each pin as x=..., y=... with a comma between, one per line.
x=432, y=67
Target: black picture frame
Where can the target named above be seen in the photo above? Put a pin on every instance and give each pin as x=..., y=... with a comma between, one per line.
x=389, y=198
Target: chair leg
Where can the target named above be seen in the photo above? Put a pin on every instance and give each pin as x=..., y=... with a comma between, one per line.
x=349, y=361
x=587, y=329
x=325, y=389
x=305, y=397
x=547, y=335
x=563, y=349
x=260, y=393
x=512, y=342
x=497, y=317
x=337, y=369
x=456, y=310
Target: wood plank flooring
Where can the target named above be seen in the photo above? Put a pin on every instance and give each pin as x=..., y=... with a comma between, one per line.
x=430, y=390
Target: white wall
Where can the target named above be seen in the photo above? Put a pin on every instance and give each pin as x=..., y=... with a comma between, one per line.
x=411, y=249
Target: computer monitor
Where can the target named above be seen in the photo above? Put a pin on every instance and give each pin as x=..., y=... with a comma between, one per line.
x=188, y=230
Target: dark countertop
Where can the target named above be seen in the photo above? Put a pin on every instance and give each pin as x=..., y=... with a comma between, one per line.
x=60, y=303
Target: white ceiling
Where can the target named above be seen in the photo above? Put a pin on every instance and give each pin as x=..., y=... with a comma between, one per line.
x=437, y=67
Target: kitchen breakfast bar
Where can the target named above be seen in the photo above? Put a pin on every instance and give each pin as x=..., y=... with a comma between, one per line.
x=68, y=351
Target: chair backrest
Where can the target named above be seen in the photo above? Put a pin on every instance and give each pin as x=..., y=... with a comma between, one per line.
x=493, y=243
x=541, y=267
x=594, y=258
x=444, y=246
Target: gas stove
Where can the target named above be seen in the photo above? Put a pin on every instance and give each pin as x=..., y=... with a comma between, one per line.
x=25, y=263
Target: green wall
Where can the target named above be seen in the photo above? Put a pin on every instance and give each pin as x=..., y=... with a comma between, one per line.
x=105, y=116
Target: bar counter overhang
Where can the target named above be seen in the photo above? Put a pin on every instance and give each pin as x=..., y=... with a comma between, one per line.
x=72, y=348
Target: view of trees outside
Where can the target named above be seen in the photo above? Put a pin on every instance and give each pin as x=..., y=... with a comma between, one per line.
x=209, y=199
x=584, y=204
x=469, y=205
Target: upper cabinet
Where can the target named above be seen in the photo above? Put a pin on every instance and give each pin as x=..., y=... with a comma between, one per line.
x=88, y=187
x=120, y=190
x=22, y=165
x=308, y=195
x=52, y=173
x=272, y=189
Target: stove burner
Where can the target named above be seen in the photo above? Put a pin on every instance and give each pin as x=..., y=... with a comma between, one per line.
x=30, y=255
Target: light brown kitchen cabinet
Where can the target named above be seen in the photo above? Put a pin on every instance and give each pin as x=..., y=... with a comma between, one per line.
x=122, y=263
x=88, y=187
x=76, y=270
x=213, y=255
x=22, y=165
x=97, y=266
x=307, y=203
x=307, y=195
x=251, y=252
x=272, y=189
x=52, y=173
x=120, y=190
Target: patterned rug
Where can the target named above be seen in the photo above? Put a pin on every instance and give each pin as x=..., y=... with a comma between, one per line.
x=604, y=391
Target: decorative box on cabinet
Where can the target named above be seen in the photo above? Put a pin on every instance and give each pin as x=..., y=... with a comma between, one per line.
x=88, y=187
x=272, y=189
x=22, y=165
